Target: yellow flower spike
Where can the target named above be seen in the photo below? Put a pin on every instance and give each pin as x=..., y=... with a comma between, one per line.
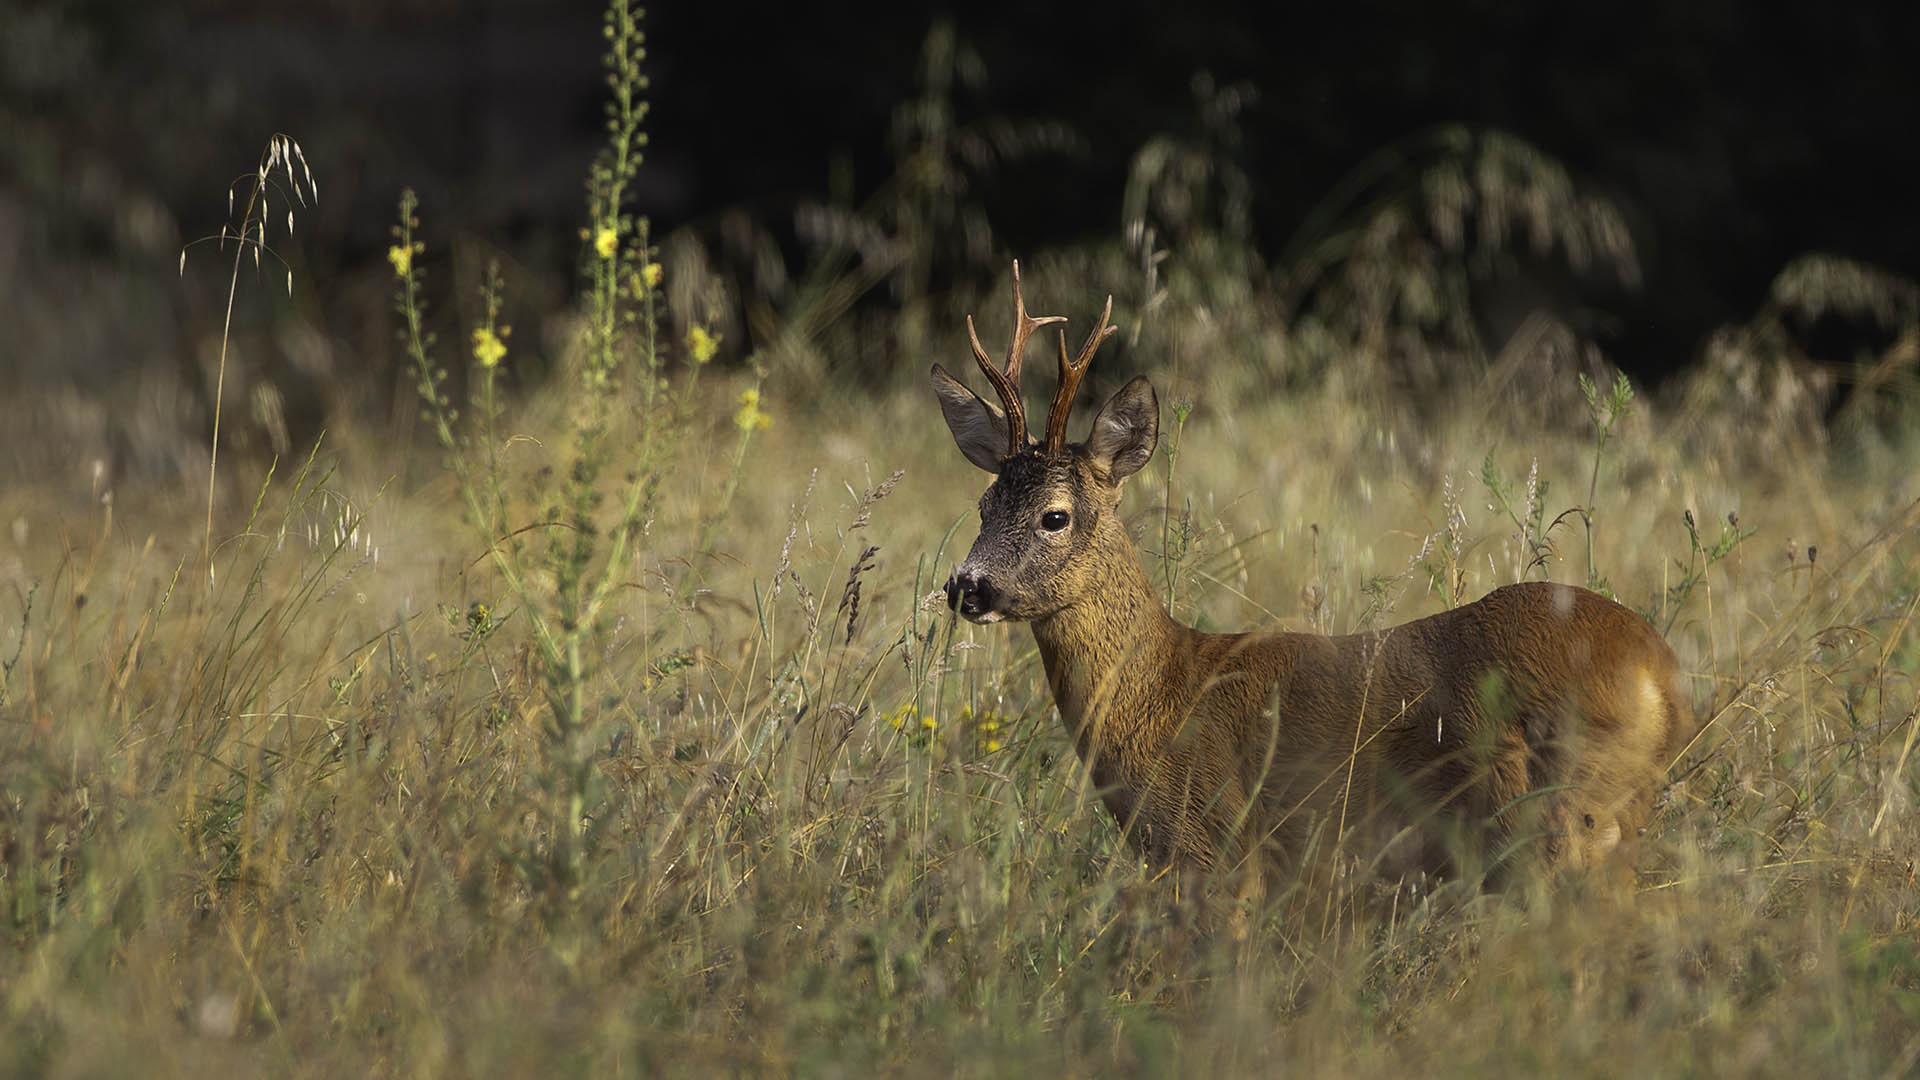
x=606, y=242
x=401, y=258
x=487, y=347
x=651, y=274
x=993, y=745
x=702, y=345
x=750, y=417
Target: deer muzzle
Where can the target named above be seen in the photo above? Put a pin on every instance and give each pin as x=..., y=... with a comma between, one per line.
x=973, y=597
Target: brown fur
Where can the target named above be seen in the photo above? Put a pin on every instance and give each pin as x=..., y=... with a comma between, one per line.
x=1442, y=725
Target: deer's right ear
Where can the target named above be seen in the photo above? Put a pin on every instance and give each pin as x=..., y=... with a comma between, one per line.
x=978, y=427
x=1126, y=430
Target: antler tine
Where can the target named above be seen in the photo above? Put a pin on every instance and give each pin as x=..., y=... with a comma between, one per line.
x=1009, y=392
x=1007, y=382
x=1071, y=372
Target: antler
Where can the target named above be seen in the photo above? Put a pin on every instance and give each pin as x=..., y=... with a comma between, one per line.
x=1007, y=382
x=1071, y=372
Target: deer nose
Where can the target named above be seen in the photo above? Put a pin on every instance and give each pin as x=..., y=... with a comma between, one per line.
x=969, y=595
x=958, y=586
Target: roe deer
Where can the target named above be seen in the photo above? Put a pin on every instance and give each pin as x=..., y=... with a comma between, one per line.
x=1539, y=718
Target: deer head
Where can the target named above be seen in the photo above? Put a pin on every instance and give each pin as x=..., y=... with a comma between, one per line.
x=1048, y=522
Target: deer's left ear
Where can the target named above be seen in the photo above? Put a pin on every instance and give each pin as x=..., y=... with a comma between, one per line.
x=979, y=428
x=1126, y=430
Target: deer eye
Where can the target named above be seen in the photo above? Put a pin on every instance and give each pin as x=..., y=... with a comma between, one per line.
x=1054, y=520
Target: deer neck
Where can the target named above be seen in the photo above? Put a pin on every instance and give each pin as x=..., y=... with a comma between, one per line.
x=1109, y=656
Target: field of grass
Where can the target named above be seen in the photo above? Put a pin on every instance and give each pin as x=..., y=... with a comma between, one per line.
x=625, y=731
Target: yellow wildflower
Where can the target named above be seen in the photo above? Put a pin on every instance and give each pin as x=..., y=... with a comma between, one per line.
x=928, y=722
x=606, y=242
x=644, y=279
x=750, y=417
x=487, y=347
x=402, y=259
x=701, y=344
x=993, y=745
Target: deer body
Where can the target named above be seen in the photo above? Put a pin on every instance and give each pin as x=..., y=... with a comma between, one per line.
x=1210, y=747
x=1541, y=709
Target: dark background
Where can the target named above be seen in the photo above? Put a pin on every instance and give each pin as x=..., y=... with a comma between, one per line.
x=1734, y=136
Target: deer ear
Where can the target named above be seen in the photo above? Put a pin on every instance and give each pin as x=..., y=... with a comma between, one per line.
x=979, y=427
x=1125, y=430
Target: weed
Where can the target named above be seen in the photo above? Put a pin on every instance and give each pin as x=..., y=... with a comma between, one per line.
x=250, y=236
x=1606, y=413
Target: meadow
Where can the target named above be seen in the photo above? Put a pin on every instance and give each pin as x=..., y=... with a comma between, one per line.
x=614, y=723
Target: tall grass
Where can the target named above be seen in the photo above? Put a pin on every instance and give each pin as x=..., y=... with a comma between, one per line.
x=642, y=742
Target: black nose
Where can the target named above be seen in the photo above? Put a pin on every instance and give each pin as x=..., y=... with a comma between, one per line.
x=969, y=595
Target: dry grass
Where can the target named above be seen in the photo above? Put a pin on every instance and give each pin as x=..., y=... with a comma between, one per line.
x=291, y=820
